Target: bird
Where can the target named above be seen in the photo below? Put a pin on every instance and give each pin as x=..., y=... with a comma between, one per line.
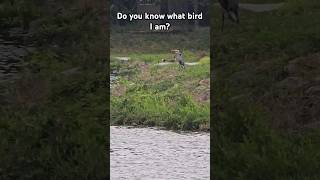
x=179, y=57
x=231, y=7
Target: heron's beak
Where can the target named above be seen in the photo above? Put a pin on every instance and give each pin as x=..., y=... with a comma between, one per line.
x=174, y=50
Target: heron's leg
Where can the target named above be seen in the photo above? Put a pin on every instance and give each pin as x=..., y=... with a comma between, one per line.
x=222, y=21
x=237, y=15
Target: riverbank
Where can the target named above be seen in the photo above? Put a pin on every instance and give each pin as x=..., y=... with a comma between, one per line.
x=267, y=69
x=149, y=92
x=53, y=125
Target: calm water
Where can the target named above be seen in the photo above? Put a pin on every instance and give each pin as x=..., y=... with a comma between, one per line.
x=151, y=154
x=12, y=52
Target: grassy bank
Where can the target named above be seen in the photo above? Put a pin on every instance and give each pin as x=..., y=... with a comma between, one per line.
x=53, y=124
x=265, y=125
x=148, y=94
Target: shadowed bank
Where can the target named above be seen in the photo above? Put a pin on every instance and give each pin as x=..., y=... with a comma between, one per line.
x=266, y=106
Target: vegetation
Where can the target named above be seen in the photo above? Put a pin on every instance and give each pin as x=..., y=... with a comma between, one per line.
x=53, y=123
x=148, y=94
x=264, y=125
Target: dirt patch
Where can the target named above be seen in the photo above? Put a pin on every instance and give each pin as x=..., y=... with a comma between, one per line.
x=202, y=92
x=119, y=90
x=295, y=101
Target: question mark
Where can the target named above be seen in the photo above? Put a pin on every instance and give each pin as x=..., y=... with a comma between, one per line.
x=168, y=25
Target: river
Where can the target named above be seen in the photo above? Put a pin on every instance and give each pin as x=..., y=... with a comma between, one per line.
x=153, y=154
x=13, y=49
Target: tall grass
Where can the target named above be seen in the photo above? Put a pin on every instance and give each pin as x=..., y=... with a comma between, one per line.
x=171, y=109
x=53, y=125
x=249, y=60
x=151, y=95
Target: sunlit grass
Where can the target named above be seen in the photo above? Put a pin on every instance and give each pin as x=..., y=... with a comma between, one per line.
x=166, y=96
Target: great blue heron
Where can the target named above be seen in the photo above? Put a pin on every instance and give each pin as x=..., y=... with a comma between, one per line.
x=230, y=7
x=179, y=57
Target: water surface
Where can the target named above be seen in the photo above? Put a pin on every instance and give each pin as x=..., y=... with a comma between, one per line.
x=152, y=154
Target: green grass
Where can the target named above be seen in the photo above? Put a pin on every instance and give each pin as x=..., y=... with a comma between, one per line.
x=251, y=57
x=249, y=60
x=166, y=107
x=156, y=57
x=53, y=124
x=163, y=96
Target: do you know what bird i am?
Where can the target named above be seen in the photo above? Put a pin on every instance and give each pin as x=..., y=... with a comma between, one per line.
x=168, y=17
